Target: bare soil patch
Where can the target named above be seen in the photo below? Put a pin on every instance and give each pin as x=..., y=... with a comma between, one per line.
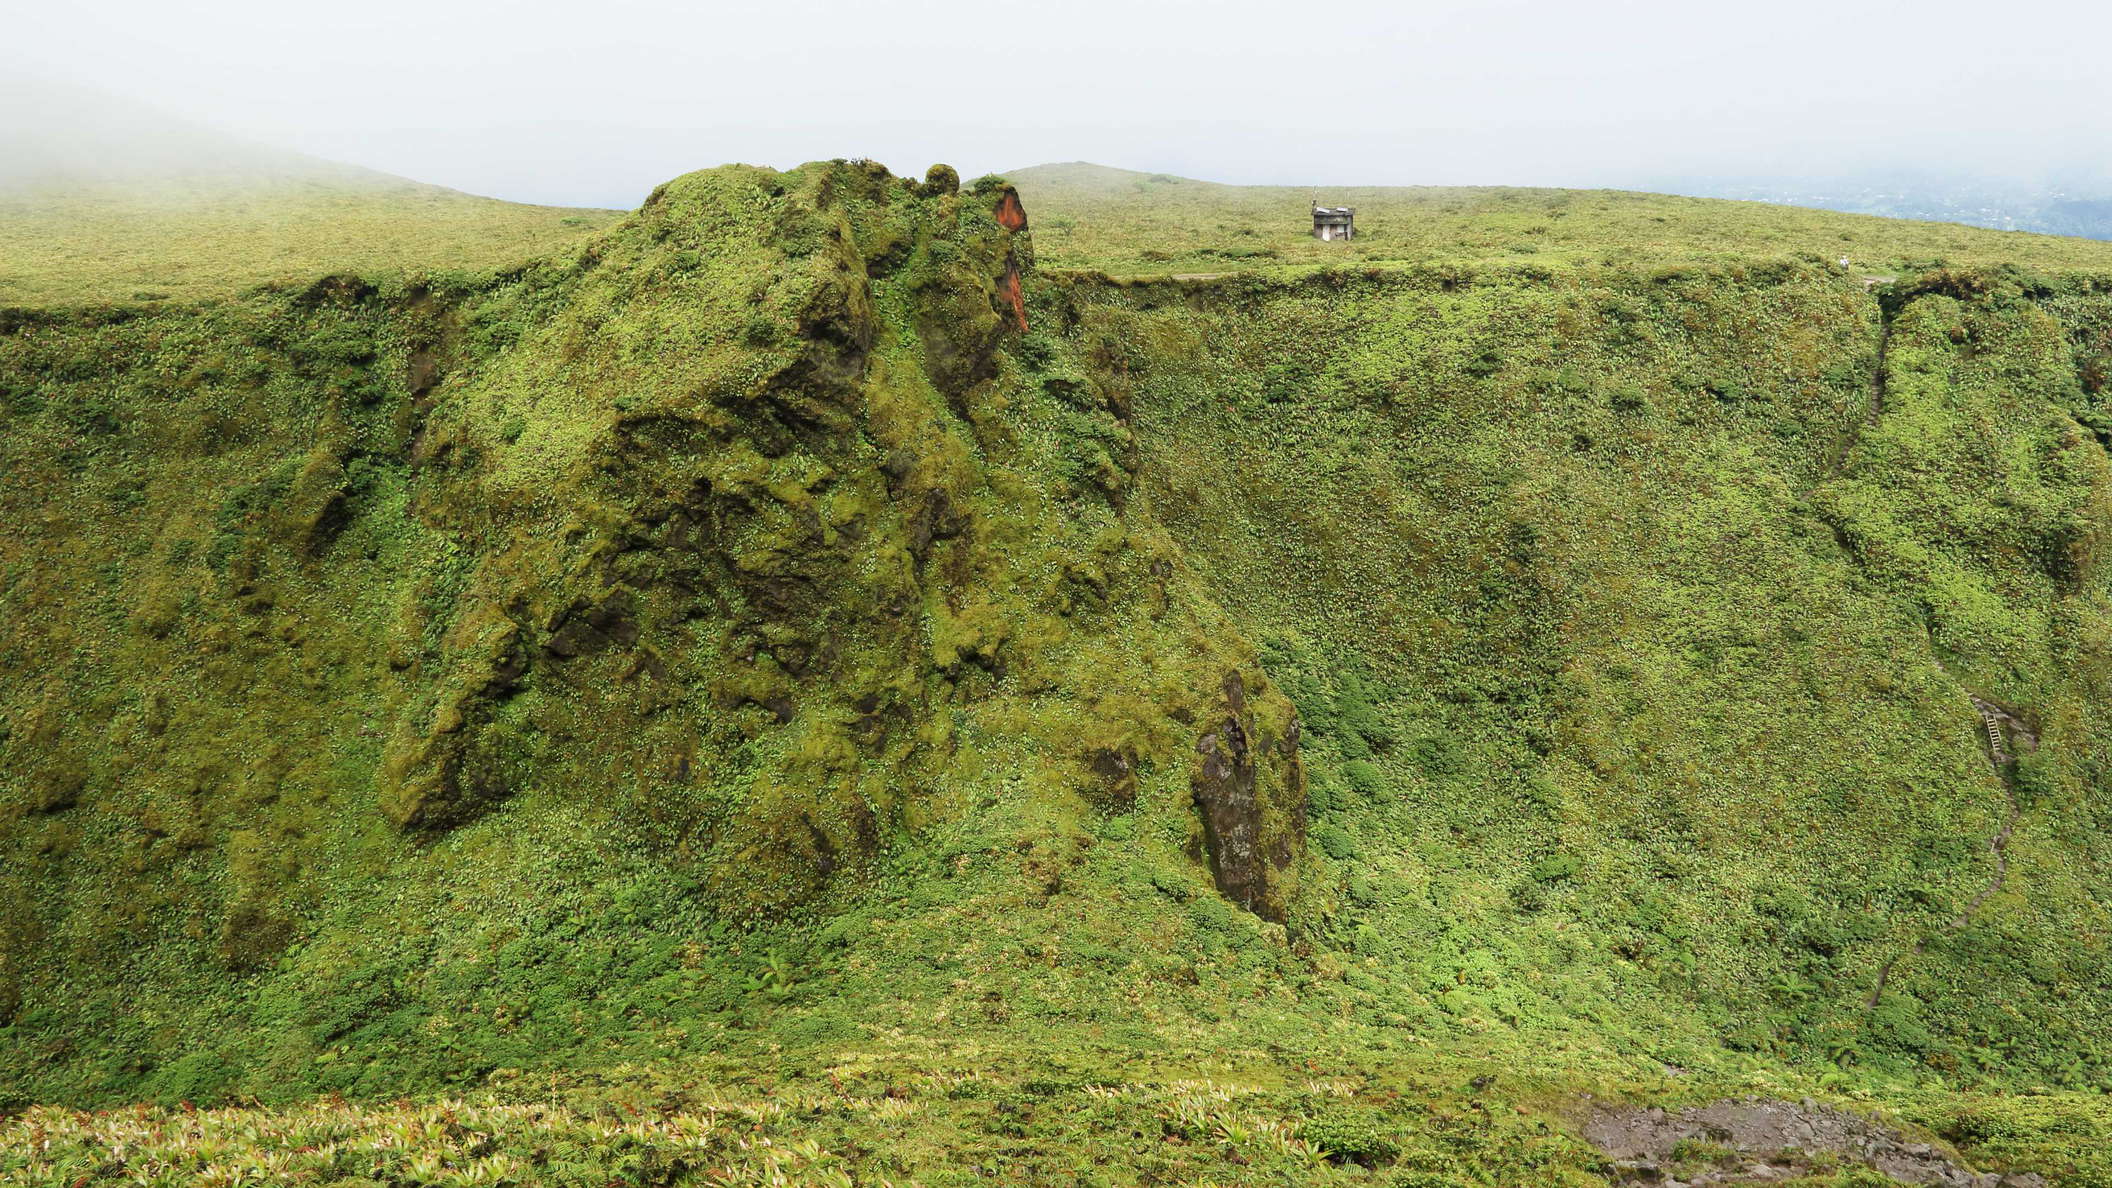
x=1758, y=1141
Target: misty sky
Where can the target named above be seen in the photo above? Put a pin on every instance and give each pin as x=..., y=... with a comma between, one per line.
x=595, y=103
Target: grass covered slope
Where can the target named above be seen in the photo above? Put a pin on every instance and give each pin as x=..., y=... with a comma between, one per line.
x=791, y=641
x=184, y=237
x=687, y=582
x=1637, y=626
x=1124, y=222
x=105, y=200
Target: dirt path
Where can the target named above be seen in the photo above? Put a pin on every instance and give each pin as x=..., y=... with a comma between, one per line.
x=1873, y=409
x=1759, y=1141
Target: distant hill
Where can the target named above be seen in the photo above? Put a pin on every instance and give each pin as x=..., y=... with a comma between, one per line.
x=1125, y=221
x=2082, y=217
x=2078, y=206
x=105, y=201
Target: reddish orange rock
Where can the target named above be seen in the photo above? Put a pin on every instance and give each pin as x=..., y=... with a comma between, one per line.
x=1010, y=214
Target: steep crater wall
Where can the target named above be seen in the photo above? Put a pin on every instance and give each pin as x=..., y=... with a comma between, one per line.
x=754, y=543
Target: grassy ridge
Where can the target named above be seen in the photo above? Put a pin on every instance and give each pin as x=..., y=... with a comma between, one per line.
x=1124, y=222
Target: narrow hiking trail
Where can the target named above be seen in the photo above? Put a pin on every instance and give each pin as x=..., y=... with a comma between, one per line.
x=1872, y=409
x=1992, y=716
x=1999, y=755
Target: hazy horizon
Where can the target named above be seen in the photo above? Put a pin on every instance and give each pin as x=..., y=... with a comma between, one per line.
x=534, y=103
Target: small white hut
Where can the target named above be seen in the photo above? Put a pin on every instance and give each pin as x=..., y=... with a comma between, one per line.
x=1334, y=222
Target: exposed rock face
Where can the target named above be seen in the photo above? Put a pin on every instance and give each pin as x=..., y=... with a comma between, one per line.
x=1010, y=214
x=1250, y=791
x=1014, y=296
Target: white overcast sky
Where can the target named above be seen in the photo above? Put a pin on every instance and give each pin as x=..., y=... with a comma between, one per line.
x=594, y=103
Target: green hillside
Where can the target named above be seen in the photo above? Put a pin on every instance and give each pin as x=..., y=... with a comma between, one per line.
x=107, y=201
x=852, y=680
x=79, y=241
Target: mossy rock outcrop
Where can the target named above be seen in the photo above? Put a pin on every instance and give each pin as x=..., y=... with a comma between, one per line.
x=734, y=539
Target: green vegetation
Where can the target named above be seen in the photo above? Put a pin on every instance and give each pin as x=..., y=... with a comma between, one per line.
x=852, y=1127
x=135, y=241
x=788, y=653
x=1128, y=223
